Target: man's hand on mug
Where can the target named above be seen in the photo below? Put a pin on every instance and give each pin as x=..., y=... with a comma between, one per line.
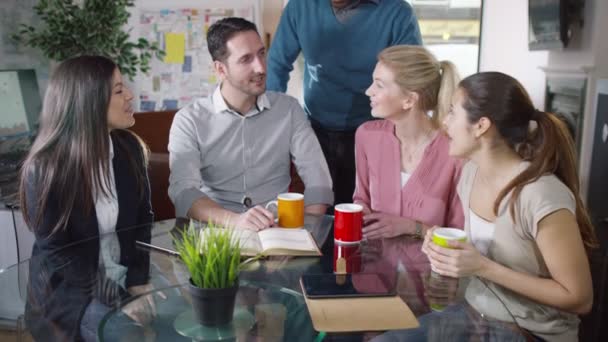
x=256, y=218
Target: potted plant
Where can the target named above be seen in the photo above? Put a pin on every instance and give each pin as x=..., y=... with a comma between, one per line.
x=88, y=27
x=213, y=258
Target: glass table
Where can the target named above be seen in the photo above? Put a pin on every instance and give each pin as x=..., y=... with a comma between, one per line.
x=270, y=305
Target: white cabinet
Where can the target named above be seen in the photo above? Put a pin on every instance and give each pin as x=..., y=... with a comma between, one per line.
x=8, y=240
x=16, y=241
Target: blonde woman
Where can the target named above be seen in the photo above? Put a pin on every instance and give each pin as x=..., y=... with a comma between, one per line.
x=406, y=181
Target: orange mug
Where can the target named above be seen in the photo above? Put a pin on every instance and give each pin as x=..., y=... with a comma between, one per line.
x=290, y=209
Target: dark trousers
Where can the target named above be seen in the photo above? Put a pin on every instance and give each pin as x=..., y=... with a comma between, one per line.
x=339, y=150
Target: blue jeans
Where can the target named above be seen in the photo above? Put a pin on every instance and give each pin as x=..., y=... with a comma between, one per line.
x=455, y=323
x=124, y=328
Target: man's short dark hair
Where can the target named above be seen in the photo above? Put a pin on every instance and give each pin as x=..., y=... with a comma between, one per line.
x=221, y=31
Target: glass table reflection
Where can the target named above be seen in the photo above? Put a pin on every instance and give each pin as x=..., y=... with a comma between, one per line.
x=270, y=304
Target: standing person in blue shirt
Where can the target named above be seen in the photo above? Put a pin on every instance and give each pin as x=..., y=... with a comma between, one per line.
x=340, y=40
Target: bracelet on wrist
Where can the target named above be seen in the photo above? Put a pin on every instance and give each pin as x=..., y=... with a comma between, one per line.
x=418, y=230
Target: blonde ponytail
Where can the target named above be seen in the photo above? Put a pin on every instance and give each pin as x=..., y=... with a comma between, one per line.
x=417, y=70
x=449, y=84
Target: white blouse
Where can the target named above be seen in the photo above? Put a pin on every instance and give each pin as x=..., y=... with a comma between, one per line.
x=404, y=178
x=106, y=208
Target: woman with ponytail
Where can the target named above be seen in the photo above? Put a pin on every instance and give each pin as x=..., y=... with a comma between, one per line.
x=527, y=226
x=406, y=181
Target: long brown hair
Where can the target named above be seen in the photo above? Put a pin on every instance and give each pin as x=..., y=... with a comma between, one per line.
x=70, y=156
x=549, y=148
x=417, y=70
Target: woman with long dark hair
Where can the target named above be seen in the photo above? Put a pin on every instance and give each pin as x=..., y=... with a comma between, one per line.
x=527, y=227
x=83, y=183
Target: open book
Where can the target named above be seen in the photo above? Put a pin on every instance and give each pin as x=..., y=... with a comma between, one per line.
x=278, y=241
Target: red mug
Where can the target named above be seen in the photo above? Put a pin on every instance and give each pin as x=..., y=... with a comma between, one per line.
x=351, y=255
x=348, y=223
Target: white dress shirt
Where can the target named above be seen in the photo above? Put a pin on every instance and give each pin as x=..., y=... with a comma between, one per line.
x=106, y=208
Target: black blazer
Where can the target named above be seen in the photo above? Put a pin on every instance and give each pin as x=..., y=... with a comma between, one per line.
x=64, y=268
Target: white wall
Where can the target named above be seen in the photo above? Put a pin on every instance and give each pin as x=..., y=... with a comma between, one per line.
x=504, y=46
x=271, y=14
x=8, y=240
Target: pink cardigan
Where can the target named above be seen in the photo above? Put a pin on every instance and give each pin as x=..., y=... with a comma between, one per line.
x=429, y=196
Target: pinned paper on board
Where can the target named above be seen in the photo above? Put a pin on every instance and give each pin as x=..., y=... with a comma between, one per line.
x=187, y=67
x=166, y=77
x=169, y=104
x=175, y=48
x=186, y=72
x=147, y=106
x=156, y=83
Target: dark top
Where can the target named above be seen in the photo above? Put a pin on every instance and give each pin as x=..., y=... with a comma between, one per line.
x=64, y=272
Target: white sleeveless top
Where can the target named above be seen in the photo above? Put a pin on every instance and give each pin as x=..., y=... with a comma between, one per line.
x=404, y=178
x=482, y=232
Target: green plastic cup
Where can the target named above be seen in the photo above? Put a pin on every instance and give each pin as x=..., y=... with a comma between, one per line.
x=441, y=236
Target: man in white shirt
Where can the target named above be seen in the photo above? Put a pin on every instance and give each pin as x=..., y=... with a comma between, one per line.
x=230, y=153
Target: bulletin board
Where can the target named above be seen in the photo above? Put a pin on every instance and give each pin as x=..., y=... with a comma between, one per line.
x=186, y=72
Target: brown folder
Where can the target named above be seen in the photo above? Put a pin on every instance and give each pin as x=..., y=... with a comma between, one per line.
x=360, y=314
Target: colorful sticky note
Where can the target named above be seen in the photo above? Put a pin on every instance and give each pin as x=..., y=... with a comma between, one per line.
x=166, y=77
x=156, y=83
x=147, y=106
x=144, y=19
x=187, y=67
x=175, y=48
x=169, y=104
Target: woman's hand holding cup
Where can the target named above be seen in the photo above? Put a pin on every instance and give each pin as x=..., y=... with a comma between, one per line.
x=450, y=254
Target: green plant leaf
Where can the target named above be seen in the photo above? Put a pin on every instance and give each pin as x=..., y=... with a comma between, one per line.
x=211, y=254
x=67, y=30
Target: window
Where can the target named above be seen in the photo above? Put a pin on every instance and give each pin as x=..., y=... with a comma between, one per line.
x=451, y=30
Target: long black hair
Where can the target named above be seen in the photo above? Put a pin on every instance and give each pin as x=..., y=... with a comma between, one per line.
x=72, y=146
x=549, y=147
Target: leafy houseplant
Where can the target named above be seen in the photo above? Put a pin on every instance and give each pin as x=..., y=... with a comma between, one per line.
x=95, y=27
x=213, y=258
